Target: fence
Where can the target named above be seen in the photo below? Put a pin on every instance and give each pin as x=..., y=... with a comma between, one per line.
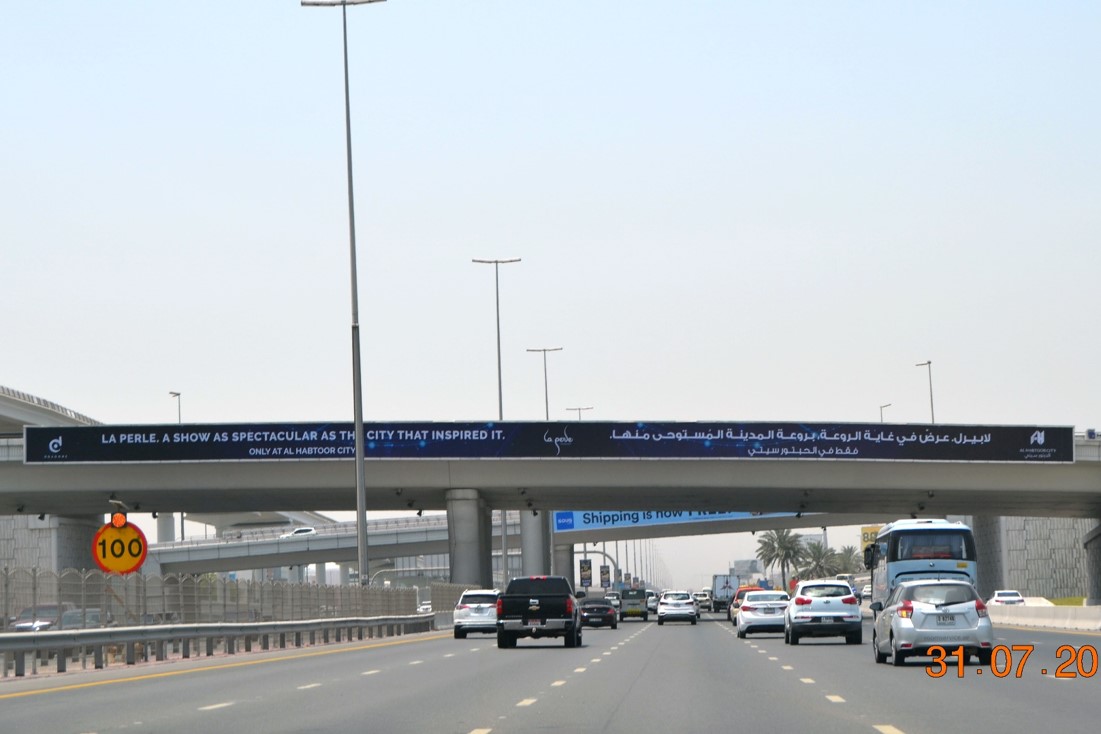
x=78, y=599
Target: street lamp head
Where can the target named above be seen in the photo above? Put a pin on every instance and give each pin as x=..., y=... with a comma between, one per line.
x=926, y=363
x=173, y=393
x=495, y=262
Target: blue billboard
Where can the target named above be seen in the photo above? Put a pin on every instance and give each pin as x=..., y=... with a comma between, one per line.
x=571, y=521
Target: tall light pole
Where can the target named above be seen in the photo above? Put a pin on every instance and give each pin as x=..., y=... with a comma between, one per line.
x=885, y=405
x=588, y=407
x=546, y=394
x=357, y=382
x=179, y=410
x=497, y=291
x=929, y=363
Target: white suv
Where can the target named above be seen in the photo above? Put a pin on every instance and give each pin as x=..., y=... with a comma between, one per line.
x=826, y=608
x=476, y=611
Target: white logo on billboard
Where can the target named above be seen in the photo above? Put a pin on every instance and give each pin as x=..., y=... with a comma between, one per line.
x=55, y=445
x=1037, y=438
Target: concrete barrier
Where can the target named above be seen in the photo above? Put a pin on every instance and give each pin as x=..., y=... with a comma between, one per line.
x=1064, y=618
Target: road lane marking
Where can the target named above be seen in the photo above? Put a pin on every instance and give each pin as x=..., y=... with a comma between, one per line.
x=214, y=706
x=774, y=658
x=558, y=683
x=415, y=662
x=579, y=670
x=835, y=699
x=480, y=731
x=888, y=729
x=527, y=702
x=308, y=686
x=807, y=680
x=606, y=653
x=449, y=655
x=371, y=672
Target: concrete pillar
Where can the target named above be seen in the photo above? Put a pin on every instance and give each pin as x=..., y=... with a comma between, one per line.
x=465, y=537
x=345, y=574
x=533, y=544
x=166, y=527
x=564, y=563
x=319, y=574
x=485, y=545
x=1092, y=544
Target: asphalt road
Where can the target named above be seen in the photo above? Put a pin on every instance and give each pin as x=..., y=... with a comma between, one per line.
x=638, y=678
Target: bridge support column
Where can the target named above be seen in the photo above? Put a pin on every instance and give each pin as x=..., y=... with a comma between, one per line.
x=1092, y=544
x=166, y=527
x=534, y=544
x=564, y=563
x=467, y=538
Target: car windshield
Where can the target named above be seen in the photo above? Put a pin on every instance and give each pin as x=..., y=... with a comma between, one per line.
x=478, y=599
x=824, y=590
x=43, y=611
x=676, y=597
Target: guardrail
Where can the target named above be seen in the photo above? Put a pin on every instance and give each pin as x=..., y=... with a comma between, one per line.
x=1064, y=618
x=105, y=643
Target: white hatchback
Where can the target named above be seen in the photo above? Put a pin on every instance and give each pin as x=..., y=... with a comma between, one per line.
x=825, y=608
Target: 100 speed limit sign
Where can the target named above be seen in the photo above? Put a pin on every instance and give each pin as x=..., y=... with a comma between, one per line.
x=119, y=549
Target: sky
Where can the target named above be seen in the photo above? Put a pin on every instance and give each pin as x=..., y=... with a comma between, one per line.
x=733, y=211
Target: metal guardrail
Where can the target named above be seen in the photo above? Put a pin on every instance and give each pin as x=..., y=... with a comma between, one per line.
x=48, y=404
x=142, y=641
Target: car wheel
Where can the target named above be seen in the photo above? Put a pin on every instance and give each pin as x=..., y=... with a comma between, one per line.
x=661, y=621
x=984, y=656
x=794, y=637
x=693, y=620
x=741, y=634
x=505, y=640
x=460, y=634
x=854, y=638
x=787, y=636
x=573, y=638
x=622, y=617
x=615, y=625
x=880, y=657
x=645, y=617
x=897, y=657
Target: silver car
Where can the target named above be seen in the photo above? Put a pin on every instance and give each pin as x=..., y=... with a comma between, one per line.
x=825, y=608
x=476, y=611
x=677, y=605
x=762, y=611
x=920, y=614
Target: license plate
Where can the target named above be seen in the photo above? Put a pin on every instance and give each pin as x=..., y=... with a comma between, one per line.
x=768, y=611
x=946, y=619
x=533, y=623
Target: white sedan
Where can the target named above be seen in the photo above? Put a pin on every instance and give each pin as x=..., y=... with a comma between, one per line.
x=1006, y=596
x=762, y=611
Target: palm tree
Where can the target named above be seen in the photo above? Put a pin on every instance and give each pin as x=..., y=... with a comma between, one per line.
x=820, y=562
x=851, y=559
x=780, y=548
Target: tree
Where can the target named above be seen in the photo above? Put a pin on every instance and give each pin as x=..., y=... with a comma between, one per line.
x=850, y=559
x=780, y=548
x=819, y=562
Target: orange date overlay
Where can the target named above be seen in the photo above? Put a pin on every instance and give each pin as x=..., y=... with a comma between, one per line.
x=1006, y=661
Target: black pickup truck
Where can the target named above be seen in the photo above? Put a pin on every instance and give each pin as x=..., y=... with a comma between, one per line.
x=538, y=606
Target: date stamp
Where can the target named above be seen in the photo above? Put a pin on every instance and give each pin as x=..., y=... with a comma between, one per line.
x=1010, y=661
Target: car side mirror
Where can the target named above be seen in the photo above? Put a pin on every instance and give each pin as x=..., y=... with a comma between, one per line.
x=581, y=595
x=876, y=606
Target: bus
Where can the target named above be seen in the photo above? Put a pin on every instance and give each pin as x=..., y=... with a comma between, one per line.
x=906, y=550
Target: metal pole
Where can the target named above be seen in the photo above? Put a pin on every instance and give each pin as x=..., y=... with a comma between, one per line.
x=887, y=405
x=546, y=393
x=497, y=299
x=929, y=363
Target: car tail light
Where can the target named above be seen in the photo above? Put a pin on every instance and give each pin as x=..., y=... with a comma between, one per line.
x=569, y=605
x=500, y=607
x=849, y=600
x=905, y=609
x=461, y=606
x=748, y=608
x=980, y=608
x=802, y=601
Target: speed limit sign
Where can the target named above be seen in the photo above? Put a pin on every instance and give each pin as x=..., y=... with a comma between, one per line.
x=119, y=547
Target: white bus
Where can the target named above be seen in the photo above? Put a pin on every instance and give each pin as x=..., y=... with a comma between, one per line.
x=906, y=550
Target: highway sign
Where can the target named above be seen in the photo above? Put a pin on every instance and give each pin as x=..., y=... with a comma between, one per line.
x=119, y=549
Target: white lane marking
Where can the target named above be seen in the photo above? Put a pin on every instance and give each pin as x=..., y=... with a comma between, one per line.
x=786, y=667
x=480, y=731
x=888, y=729
x=558, y=683
x=762, y=652
x=835, y=699
x=579, y=670
x=370, y=672
x=308, y=686
x=774, y=658
x=807, y=680
x=527, y=702
x=449, y=655
x=595, y=660
x=415, y=662
x=215, y=706
x=606, y=653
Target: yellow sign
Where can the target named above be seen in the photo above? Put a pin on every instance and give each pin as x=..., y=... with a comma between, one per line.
x=868, y=534
x=119, y=549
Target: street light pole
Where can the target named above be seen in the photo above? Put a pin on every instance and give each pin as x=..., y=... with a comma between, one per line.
x=357, y=382
x=929, y=363
x=179, y=410
x=885, y=405
x=497, y=295
x=546, y=394
x=589, y=407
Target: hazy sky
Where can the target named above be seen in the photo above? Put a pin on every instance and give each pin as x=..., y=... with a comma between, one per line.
x=726, y=210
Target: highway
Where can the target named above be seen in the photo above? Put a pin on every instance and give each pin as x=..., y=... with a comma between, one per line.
x=638, y=678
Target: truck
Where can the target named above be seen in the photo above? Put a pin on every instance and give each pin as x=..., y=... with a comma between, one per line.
x=538, y=606
x=723, y=586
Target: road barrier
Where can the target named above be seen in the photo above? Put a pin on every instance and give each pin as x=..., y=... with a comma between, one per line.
x=1066, y=618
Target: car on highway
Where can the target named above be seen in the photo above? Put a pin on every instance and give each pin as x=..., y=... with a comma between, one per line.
x=476, y=611
x=762, y=611
x=736, y=601
x=675, y=605
x=86, y=619
x=703, y=599
x=613, y=598
x=298, y=532
x=823, y=608
x=866, y=592
x=920, y=614
x=597, y=612
x=651, y=601
x=632, y=603
x=40, y=617
x=1006, y=596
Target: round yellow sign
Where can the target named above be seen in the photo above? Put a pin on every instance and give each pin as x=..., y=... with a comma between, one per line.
x=119, y=549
